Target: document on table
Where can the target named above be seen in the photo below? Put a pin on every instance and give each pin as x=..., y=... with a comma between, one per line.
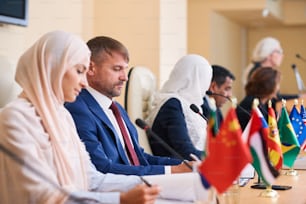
x=248, y=172
x=165, y=201
x=180, y=188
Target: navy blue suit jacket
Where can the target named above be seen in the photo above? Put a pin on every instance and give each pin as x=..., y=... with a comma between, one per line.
x=170, y=125
x=103, y=144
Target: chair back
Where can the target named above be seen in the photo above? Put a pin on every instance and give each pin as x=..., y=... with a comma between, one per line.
x=139, y=93
x=8, y=86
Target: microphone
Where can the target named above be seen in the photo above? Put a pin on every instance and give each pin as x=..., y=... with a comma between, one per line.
x=298, y=78
x=196, y=110
x=143, y=125
x=300, y=57
x=210, y=93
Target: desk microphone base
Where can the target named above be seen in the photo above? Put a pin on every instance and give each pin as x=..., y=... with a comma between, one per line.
x=274, y=187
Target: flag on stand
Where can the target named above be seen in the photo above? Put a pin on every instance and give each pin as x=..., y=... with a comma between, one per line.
x=290, y=144
x=303, y=113
x=227, y=153
x=257, y=134
x=273, y=142
x=298, y=124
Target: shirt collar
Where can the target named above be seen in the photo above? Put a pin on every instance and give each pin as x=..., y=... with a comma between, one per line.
x=102, y=100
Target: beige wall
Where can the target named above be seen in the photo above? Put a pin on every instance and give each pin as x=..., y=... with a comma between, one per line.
x=225, y=32
x=219, y=39
x=173, y=35
x=69, y=15
x=157, y=33
x=153, y=31
x=134, y=23
x=293, y=41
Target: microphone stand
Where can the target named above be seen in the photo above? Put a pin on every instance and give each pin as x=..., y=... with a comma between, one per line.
x=140, y=123
x=298, y=78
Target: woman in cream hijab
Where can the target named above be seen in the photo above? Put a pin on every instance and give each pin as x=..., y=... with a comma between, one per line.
x=39, y=130
x=171, y=117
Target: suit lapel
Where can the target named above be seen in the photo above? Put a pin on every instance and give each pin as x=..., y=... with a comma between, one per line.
x=95, y=108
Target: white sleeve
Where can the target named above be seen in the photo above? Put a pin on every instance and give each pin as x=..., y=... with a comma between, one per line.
x=103, y=188
x=100, y=182
x=93, y=197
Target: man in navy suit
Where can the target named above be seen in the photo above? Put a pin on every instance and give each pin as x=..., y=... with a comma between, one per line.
x=97, y=125
x=221, y=84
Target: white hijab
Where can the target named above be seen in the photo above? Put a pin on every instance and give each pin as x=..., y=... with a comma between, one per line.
x=40, y=72
x=188, y=82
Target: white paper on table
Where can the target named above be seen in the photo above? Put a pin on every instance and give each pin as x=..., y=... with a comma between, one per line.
x=181, y=187
x=248, y=172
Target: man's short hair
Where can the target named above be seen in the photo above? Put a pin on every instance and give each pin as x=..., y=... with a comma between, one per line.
x=102, y=46
x=220, y=73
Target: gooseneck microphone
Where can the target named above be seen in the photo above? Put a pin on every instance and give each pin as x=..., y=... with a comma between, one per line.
x=196, y=110
x=142, y=124
x=298, y=78
x=300, y=57
x=210, y=93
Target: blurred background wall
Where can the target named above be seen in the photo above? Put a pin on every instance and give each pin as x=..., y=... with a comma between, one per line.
x=158, y=32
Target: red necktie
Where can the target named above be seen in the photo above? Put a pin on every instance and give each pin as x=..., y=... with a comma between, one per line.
x=128, y=145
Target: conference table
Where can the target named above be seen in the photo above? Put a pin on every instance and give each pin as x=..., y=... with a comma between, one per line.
x=296, y=195
x=248, y=195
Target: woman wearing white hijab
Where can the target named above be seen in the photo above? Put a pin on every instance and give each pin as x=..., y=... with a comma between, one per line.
x=171, y=117
x=40, y=131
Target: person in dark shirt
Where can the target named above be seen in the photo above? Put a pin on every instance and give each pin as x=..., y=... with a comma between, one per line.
x=221, y=83
x=264, y=84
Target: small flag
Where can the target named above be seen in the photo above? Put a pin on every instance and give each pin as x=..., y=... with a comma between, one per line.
x=227, y=153
x=297, y=124
x=274, y=144
x=303, y=112
x=290, y=144
x=257, y=134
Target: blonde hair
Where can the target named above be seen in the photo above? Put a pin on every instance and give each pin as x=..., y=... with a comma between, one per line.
x=264, y=48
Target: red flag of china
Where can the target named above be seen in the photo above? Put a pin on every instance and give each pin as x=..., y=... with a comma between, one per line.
x=227, y=154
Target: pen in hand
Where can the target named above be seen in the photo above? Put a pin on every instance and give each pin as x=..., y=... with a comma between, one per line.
x=145, y=181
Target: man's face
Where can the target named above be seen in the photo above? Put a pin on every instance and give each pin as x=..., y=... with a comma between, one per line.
x=225, y=89
x=109, y=77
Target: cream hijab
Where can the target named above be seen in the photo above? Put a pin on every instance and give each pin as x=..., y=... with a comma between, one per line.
x=40, y=72
x=188, y=82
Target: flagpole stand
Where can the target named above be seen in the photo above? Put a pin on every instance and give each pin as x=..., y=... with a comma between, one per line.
x=291, y=172
x=269, y=193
